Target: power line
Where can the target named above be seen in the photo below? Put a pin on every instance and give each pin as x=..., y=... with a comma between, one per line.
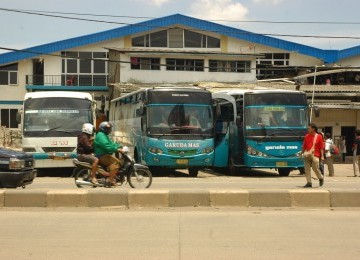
x=213, y=20
x=165, y=27
x=268, y=67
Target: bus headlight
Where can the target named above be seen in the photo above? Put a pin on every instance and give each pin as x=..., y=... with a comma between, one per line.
x=208, y=150
x=155, y=150
x=254, y=152
x=16, y=164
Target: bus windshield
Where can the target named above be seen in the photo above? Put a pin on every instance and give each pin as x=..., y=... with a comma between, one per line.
x=55, y=117
x=180, y=119
x=280, y=114
x=275, y=116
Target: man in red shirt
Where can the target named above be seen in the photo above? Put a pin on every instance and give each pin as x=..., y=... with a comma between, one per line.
x=313, y=141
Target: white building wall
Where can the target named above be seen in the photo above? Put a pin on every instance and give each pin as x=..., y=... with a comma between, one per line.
x=165, y=76
x=353, y=61
x=245, y=47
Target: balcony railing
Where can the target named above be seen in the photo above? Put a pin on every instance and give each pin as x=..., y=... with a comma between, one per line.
x=67, y=80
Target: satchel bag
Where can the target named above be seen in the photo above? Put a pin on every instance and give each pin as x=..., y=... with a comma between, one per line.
x=310, y=154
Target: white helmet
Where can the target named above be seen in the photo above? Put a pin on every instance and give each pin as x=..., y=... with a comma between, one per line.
x=88, y=128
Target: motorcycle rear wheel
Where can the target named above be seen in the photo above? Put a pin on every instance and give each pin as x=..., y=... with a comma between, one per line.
x=83, y=175
x=141, y=179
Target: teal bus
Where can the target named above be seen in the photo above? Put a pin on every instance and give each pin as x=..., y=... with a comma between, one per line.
x=169, y=126
x=260, y=128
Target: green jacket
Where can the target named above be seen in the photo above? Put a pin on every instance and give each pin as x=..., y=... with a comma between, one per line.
x=103, y=144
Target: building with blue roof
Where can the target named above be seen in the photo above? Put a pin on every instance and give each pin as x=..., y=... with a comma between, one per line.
x=171, y=49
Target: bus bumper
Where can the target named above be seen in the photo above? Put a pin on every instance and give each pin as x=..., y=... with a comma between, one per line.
x=202, y=160
x=261, y=162
x=54, y=160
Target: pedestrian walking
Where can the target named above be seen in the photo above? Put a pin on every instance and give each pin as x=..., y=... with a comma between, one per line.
x=356, y=153
x=313, y=152
x=329, y=158
x=321, y=162
x=343, y=148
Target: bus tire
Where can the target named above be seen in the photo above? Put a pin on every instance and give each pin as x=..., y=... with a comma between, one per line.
x=193, y=172
x=284, y=171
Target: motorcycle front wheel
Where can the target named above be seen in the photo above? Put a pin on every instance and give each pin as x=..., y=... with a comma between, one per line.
x=141, y=178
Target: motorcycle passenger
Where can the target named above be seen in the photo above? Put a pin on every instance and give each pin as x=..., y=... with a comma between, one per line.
x=104, y=148
x=85, y=149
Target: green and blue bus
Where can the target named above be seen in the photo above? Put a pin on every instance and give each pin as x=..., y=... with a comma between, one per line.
x=166, y=126
x=260, y=128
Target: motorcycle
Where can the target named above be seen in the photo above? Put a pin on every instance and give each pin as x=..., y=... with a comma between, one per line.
x=137, y=175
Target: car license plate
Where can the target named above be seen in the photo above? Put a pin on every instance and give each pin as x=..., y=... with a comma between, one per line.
x=281, y=164
x=182, y=161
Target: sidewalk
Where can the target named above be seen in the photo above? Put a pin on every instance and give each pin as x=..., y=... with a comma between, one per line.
x=251, y=196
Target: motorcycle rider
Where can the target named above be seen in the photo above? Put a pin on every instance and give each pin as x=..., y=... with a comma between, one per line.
x=104, y=148
x=85, y=149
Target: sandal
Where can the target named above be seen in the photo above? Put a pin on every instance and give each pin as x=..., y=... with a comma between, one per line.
x=109, y=183
x=94, y=181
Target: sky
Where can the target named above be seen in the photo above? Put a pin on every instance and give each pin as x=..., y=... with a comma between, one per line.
x=330, y=18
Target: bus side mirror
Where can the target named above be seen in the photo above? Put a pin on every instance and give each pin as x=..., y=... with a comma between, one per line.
x=217, y=111
x=140, y=111
x=18, y=117
x=238, y=120
x=317, y=112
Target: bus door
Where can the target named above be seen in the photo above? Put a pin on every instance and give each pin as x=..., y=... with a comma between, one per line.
x=223, y=119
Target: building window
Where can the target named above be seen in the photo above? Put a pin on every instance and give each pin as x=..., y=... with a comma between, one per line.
x=156, y=39
x=145, y=63
x=185, y=64
x=229, y=66
x=8, y=118
x=9, y=74
x=84, y=68
x=271, y=59
x=176, y=38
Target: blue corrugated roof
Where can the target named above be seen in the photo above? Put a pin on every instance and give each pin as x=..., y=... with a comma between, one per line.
x=328, y=56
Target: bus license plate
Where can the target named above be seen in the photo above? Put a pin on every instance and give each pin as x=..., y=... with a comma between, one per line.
x=59, y=158
x=281, y=164
x=182, y=161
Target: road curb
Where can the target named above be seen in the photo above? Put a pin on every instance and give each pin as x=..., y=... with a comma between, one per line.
x=180, y=198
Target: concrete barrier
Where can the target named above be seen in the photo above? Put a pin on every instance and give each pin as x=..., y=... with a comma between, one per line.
x=345, y=198
x=180, y=198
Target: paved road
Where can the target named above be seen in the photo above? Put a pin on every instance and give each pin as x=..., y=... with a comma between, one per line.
x=268, y=179
x=179, y=234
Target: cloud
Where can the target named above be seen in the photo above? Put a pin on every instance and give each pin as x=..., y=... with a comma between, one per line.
x=218, y=10
x=274, y=2
x=154, y=2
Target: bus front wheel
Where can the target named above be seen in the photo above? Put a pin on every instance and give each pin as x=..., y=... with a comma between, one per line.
x=284, y=171
x=193, y=172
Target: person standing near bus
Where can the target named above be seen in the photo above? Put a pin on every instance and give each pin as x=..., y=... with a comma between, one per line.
x=104, y=148
x=314, y=144
x=329, y=159
x=343, y=148
x=356, y=153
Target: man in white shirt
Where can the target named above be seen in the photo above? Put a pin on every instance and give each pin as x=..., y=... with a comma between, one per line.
x=329, y=159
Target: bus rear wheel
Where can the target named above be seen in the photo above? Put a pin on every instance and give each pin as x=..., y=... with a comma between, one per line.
x=193, y=172
x=284, y=171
